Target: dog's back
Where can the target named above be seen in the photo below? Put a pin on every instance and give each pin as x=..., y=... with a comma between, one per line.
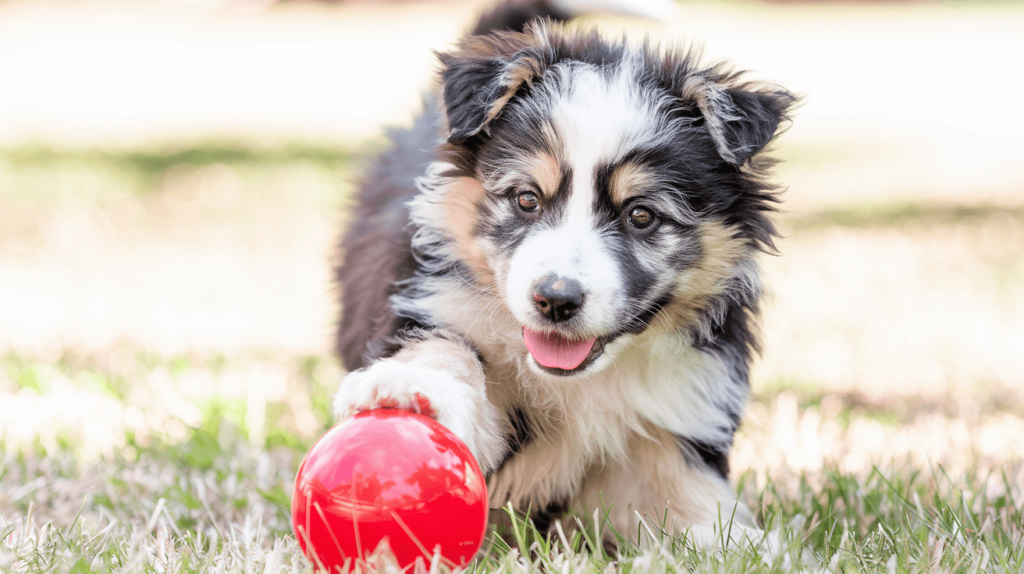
x=376, y=248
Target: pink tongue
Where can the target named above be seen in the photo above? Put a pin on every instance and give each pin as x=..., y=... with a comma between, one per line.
x=556, y=352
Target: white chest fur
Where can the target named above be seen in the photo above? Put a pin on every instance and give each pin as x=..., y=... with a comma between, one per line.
x=657, y=379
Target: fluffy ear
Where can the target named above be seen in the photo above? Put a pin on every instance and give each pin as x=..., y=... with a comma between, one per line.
x=481, y=76
x=742, y=119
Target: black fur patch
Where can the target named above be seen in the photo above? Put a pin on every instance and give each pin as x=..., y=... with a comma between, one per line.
x=523, y=433
x=712, y=456
x=379, y=239
x=544, y=518
x=403, y=331
x=516, y=15
x=470, y=88
x=753, y=120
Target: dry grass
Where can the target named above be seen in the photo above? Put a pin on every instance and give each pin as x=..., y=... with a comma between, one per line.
x=839, y=489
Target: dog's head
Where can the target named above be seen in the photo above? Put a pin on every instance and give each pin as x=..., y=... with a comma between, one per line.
x=604, y=190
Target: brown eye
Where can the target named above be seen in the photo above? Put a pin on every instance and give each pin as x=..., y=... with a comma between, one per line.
x=641, y=217
x=528, y=201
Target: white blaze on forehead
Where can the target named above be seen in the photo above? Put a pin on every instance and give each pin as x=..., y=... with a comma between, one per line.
x=599, y=118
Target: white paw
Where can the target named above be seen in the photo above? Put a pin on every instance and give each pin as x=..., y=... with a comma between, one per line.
x=429, y=391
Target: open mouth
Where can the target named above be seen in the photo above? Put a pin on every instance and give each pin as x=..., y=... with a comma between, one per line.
x=560, y=355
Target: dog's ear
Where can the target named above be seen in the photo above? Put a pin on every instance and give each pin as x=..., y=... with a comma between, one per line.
x=742, y=119
x=482, y=75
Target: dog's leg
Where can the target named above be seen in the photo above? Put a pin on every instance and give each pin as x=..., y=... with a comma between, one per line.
x=439, y=376
x=659, y=485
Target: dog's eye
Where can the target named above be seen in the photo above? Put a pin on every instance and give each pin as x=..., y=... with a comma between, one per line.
x=641, y=217
x=528, y=201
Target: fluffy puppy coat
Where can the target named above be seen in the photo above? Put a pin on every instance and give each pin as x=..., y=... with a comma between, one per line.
x=558, y=262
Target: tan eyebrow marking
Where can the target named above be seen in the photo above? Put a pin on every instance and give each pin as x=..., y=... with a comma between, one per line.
x=547, y=173
x=629, y=180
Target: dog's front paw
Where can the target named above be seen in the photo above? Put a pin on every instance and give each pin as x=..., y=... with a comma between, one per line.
x=385, y=385
x=425, y=390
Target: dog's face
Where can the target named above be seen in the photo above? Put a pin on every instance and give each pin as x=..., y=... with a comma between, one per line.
x=599, y=190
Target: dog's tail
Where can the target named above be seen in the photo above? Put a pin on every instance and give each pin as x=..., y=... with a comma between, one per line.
x=514, y=15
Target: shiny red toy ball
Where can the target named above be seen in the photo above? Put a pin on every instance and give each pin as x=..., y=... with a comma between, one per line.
x=391, y=474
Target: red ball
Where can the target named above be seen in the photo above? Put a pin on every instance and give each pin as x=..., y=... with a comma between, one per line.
x=391, y=474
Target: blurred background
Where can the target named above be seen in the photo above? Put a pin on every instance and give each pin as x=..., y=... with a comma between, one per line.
x=174, y=176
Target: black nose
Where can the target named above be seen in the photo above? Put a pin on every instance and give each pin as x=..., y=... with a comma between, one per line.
x=558, y=299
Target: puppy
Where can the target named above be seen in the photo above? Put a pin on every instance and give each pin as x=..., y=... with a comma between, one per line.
x=559, y=262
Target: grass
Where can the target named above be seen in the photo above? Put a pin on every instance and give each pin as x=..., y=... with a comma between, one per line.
x=213, y=500
x=171, y=512
x=133, y=456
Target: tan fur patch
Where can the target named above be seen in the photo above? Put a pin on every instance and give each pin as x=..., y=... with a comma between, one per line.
x=460, y=206
x=547, y=173
x=629, y=180
x=691, y=494
x=697, y=286
x=655, y=479
x=520, y=73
